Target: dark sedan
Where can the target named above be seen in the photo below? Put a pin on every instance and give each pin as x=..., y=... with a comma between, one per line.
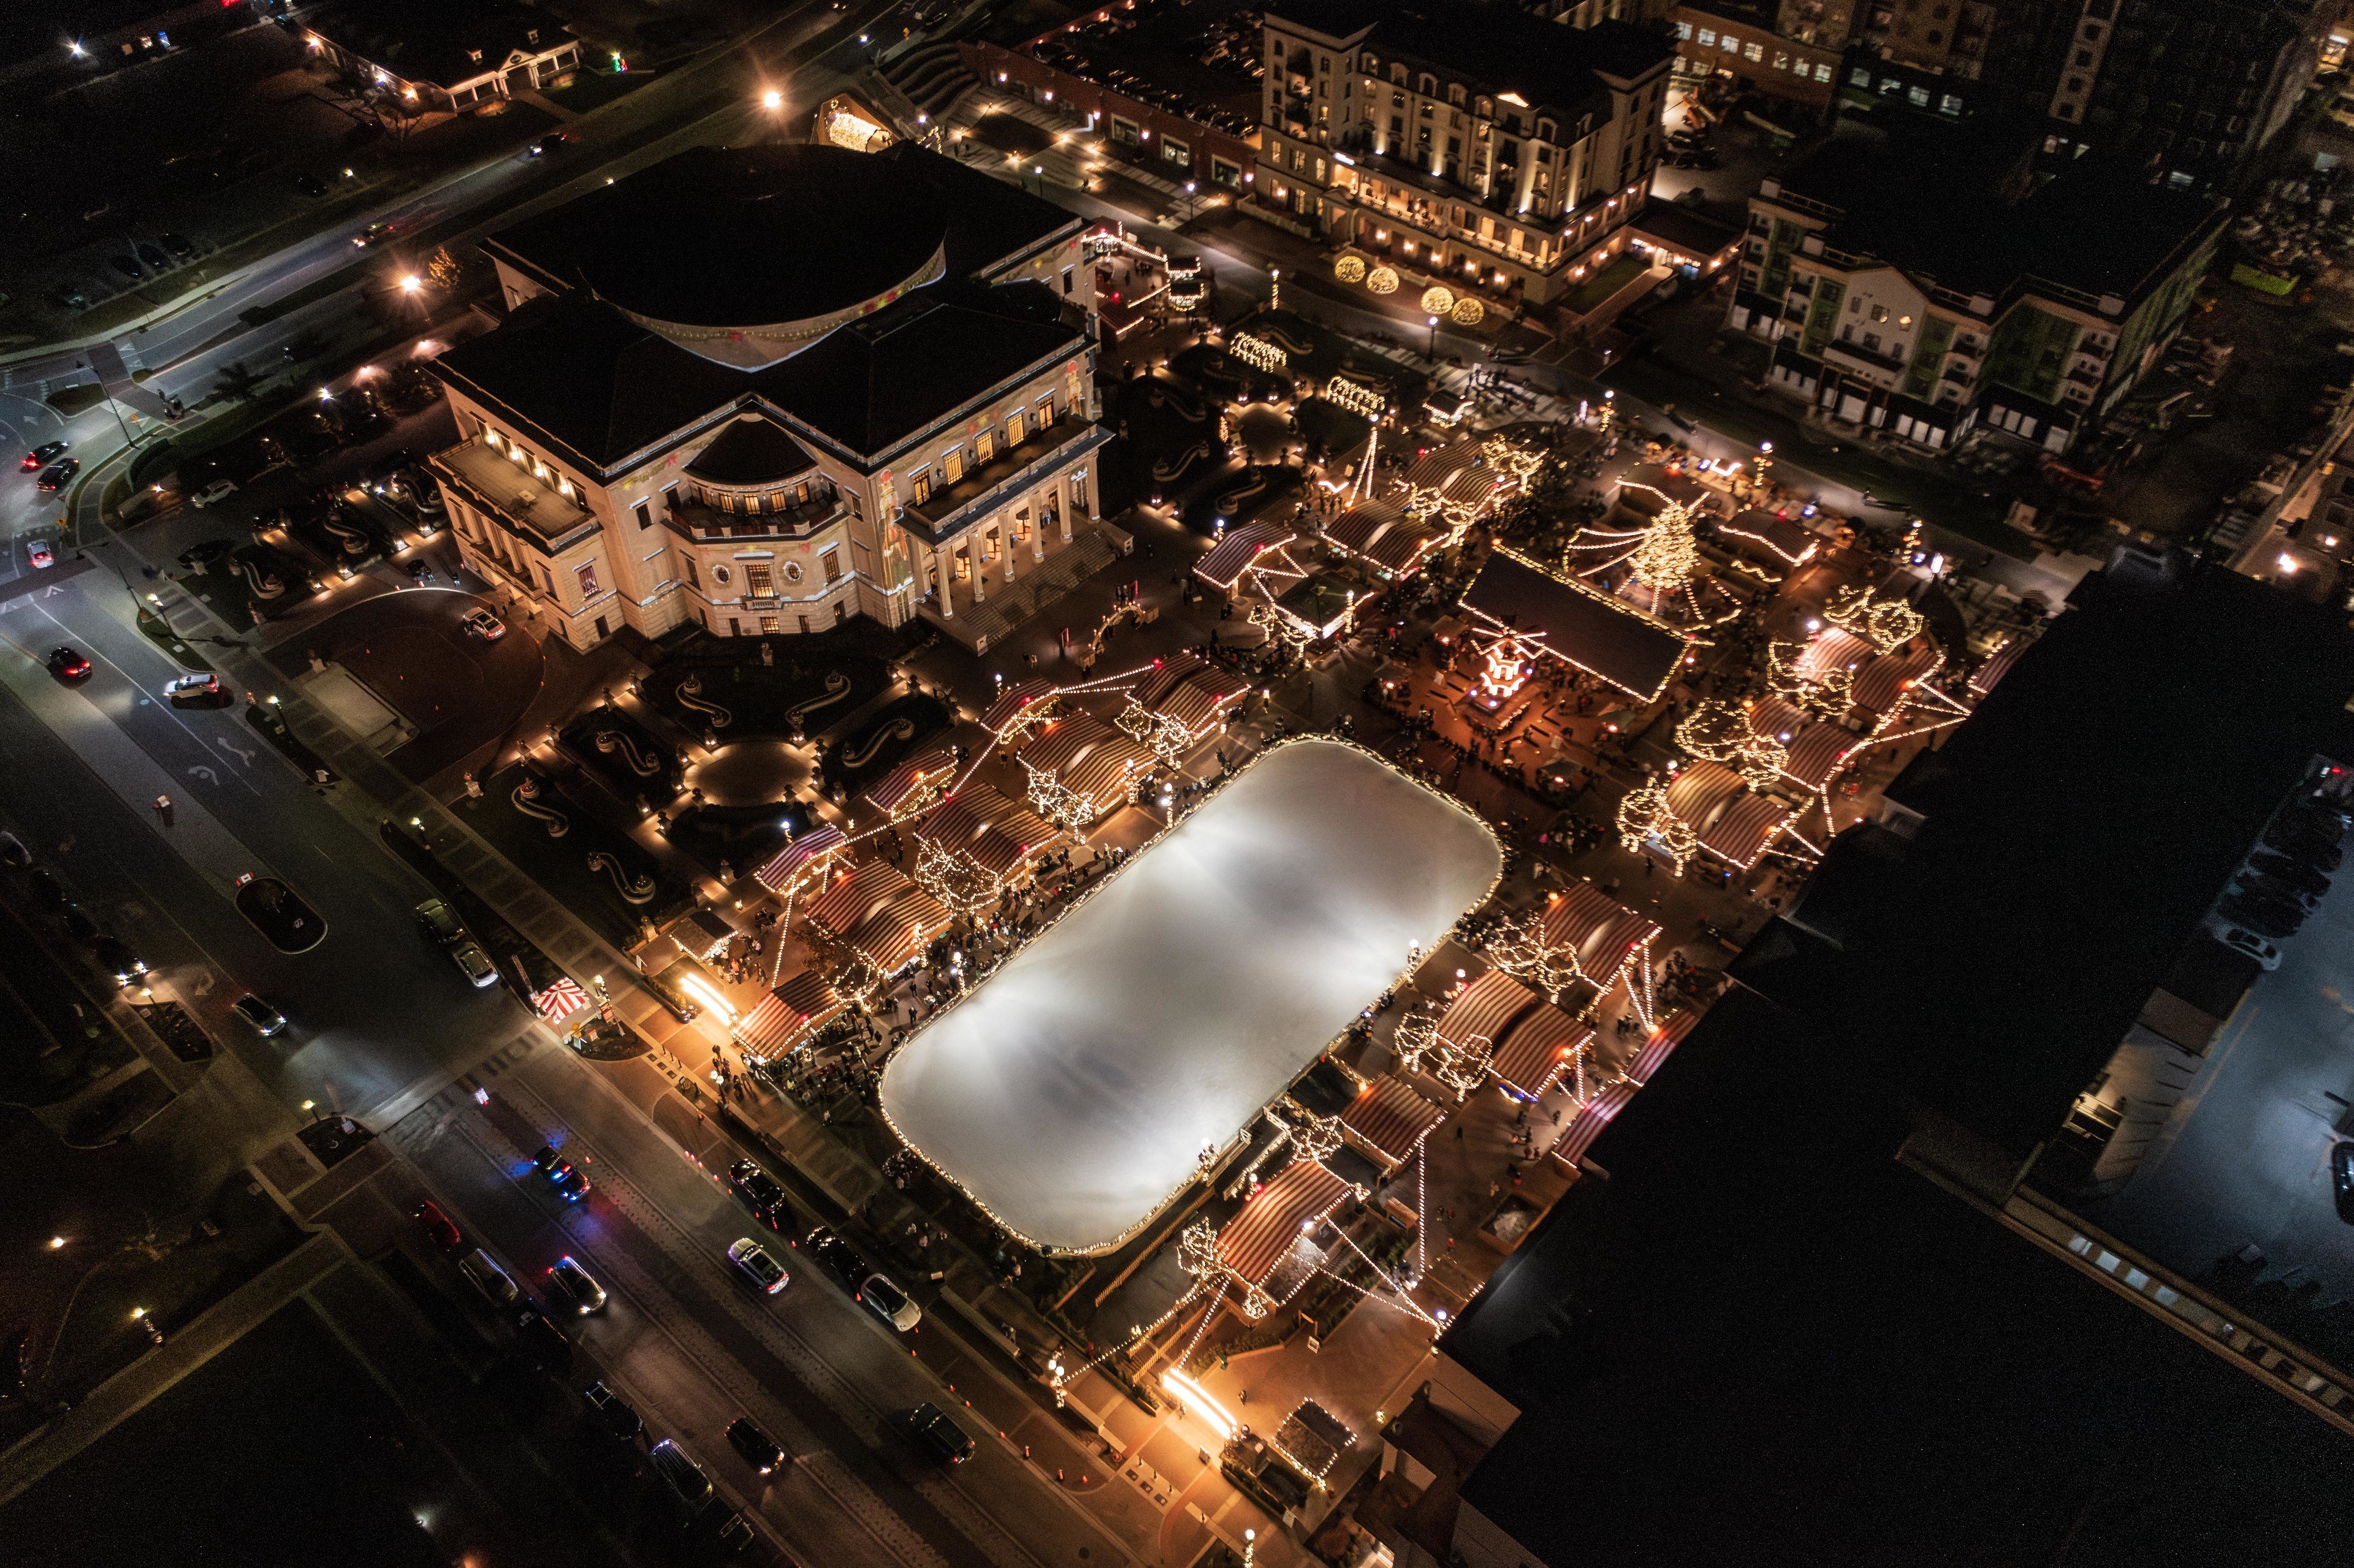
x=58, y=475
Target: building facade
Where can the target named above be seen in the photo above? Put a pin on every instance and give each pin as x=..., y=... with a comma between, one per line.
x=1712, y=44
x=443, y=54
x=1484, y=148
x=875, y=400
x=1924, y=314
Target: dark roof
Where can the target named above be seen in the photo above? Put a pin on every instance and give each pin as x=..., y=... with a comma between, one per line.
x=1583, y=625
x=1684, y=228
x=740, y=236
x=1759, y=1341
x=590, y=379
x=1504, y=49
x=755, y=449
x=434, y=40
x=746, y=237
x=1982, y=226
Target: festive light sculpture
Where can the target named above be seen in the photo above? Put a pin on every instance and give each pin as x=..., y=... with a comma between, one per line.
x=1668, y=553
x=1885, y=623
x=1644, y=817
x=952, y=879
x=1438, y=300
x=1350, y=269
x=1057, y=802
x=1257, y=353
x=1416, y=1037
x=1463, y=1066
x=1167, y=735
x=1469, y=312
x=1720, y=732
x=1355, y=397
x=1826, y=694
x=1521, y=948
x=1383, y=281
x=1317, y=1138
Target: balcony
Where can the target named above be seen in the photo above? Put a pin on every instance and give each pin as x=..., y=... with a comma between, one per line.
x=494, y=484
x=949, y=508
x=705, y=525
x=1862, y=358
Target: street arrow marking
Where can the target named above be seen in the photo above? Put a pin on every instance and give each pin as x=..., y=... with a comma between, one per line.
x=240, y=753
x=205, y=773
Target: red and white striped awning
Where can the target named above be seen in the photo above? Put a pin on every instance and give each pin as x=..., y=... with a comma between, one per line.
x=1538, y=1050
x=1882, y=686
x=1389, y=1115
x=913, y=774
x=1230, y=556
x=1587, y=1125
x=1658, y=1044
x=1012, y=701
x=560, y=1000
x=798, y=856
x=853, y=897
x=891, y=936
x=785, y=1016
x=1485, y=1009
x=1300, y=1197
x=1599, y=929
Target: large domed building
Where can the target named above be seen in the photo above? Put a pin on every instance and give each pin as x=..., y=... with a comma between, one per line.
x=764, y=390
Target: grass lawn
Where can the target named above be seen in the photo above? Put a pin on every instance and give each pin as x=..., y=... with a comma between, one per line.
x=591, y=89
x=820, y=689
x=1590, y=293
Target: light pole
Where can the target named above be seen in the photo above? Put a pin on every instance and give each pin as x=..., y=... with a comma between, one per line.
x=1765, y=462
x=1434, y=338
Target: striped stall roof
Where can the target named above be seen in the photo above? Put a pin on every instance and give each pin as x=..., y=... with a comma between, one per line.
x=1833, y=649
x=1599, y=929
x=1301, y=1195
x=786, y=1015
x=1017, y=821
x=1816, y=755
x=1882, y=686
x=1012, y=701
x=1485, y=1008
x=914, y=774
x=1659, y=1044
x=853, y=897
x=1400, y=550
x=1360, y=526
x=1747, y=827
x=1456, y=467
x=1102, y=778
x=1767, y=536
x=1389, y=1115
x=1201, y=697
x=1537, y=1051
x=798, y=856
x=1587, y=1125
x=1164, y=677
x=1701, y=791
x=1998, y=662
x=1065, y=741
x=1232, y=556
x=891, y=936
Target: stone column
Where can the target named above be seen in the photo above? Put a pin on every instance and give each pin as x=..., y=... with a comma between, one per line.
x=1005, y=542
x=1063, y=505
x=1037, y=532
x=973, y=541
x=943, y=567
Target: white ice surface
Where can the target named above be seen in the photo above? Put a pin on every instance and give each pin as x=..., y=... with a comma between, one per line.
x=1072, y=1092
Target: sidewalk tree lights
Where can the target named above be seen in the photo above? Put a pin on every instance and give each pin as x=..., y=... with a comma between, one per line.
x=1165, y=733
x=1717, y=731
x=1645, y=817
x=1057, y=801
x=953, y=879
x=1885, y=623
x=1521, y=948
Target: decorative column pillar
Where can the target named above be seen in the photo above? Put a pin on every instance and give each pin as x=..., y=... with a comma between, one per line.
x=1005, y=542
x=1037, y=532
x=943, y=568
x=974, y=539
x=1062, y=505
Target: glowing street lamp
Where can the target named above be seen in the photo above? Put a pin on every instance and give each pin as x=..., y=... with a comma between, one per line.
x=772, y=100
x=412, y=285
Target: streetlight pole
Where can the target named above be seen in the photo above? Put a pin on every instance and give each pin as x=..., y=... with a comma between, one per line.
x=1434, y=338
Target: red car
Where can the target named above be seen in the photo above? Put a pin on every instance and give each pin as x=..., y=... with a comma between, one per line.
x=446, y=1234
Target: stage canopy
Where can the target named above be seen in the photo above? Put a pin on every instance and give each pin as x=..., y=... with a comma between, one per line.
x=1073, y=1092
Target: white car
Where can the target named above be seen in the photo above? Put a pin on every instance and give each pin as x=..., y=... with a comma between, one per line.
x=483, y=624
x=890, y=1303
x=219, y=489
x=38, y=553
x=2267, y=957
x=764, y=1273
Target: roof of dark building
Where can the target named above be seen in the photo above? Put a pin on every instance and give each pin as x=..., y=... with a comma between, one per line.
x=1591, y=629
x=1983, y=224
x=745, y=236
x=754, y=449
x=588, y=378
x=437, y=40
x=1684, y=228
x=1760, y=1340
x=1496, y=44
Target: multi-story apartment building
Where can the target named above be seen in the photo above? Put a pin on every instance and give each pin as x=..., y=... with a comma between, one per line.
x=1484, y=147
x=1719, y=41
x=2188, y=88
x=765, y=389
x=1921, y=308
x=442, y=54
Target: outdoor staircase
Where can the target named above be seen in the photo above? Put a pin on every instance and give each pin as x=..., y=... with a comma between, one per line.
x=987, y=624
x=931, y=77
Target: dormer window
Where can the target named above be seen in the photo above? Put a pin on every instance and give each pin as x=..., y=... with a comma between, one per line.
x=475, y=56
x=531, y=36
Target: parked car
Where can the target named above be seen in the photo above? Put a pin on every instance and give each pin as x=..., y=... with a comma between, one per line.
x=483, y=624
x=219, y=489
x=38, y=554
x=2341, y=1178
x=760, y=1192
x=68, y=665
x=2267, y=957
x=684, y=1478
x=938, y=1436
x=837, y=1257
x=569, y=1183
x=495, y=1284
x=116, y=958
x=151, y=254
x=266, y=1020
x=554, y=141
x=2295, y=873
x=440, y=1226
x=48, y=891
x=884, y=1297
x=204, y=553
x=2266, y=918
x=758, y=1449
x=40, y=457
x=540, y=1338
x=310, y=185
x=2258, y=885
x=13, y=852
x=575, y=1284
x=204, y=690
x=128, y=266
x=58, y=475
x=80, y=926
x=439, y=922
x=474, y=964
x=177, y=244
x=2298, y=842
x=752, y=1261
x=612, y=1414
